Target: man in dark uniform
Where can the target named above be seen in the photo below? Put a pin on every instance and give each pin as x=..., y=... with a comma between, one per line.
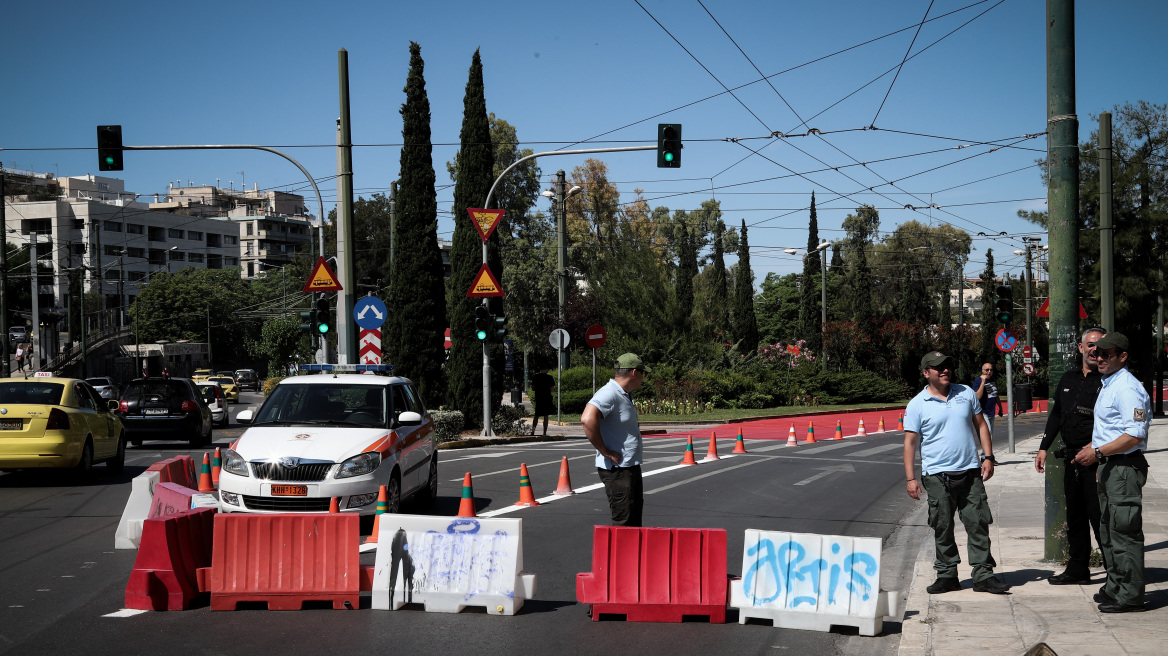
x=542, y=384
x=1072, y=415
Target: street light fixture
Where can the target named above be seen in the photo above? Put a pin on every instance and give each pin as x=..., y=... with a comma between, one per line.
x=824, y=245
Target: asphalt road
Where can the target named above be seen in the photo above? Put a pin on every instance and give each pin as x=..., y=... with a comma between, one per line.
x=61, y=577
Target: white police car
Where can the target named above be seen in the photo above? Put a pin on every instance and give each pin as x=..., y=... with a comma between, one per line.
x=334, y=434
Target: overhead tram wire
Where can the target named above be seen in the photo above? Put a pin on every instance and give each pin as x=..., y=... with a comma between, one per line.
x=902, y=62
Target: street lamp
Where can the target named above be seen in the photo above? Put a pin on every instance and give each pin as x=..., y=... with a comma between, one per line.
x=824, y=245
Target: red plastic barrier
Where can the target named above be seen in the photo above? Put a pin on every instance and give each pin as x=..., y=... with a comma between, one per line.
x=179, y=469
x=173, y=548
x=170, y=498
x=656, y=574
x=285, y=559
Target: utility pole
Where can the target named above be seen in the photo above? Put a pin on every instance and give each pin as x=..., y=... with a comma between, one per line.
x=561, y=249
x=823, y=304
x=36, y=307
x=960, y=317
x=1106, y=227
x=346, y=336
x=1063, y=229
x=6, y=369
x=96, y=225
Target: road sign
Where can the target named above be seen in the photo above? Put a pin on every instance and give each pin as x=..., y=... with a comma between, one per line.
x=322, y=279
x=559, y=339
x=595, y=336
x=369, y=312
x=485, y=221
x=1027, y=360
x=1044, y=311
x=1028, y=369
x=446, y=339
x=485, y=284
x=369, y=345
x=1005, y=340
x=1026, y=352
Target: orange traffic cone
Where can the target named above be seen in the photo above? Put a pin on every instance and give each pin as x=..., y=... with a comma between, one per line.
x=900, y=422
x=466, y=507
x=839, y=431
x=881, y=423
x=712, y=452
x=739, y=445
x=205, y=484
x=526, y=496
x=791, y=441
x=334, y=505
x=382, y=508
x=861, y=432
x=810, y=433
x=688, y=458
x=565, y=485
x=216, y=466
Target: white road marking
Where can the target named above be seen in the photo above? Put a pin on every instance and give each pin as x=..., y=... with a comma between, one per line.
x=515, y=470
x=481, y=455
x=125, y=612
x=835, y=444
x=701, y=476
x=826, y=471
x=880, y=449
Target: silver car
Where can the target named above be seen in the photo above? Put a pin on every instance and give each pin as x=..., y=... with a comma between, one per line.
x=104, y=386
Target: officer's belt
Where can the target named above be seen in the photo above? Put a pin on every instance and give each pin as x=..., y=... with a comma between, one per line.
x=1134, y=459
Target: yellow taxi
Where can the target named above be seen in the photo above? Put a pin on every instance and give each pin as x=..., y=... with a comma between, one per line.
x=58, y=422
x=230, y=388
x=202, y=374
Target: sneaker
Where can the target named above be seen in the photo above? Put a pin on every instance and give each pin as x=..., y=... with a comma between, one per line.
x=944, y=584
x=1067, y=578
x=991, y=585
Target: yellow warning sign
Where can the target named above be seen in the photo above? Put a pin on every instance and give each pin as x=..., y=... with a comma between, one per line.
x=485, y=221
x=485, y=284
x=322, y=279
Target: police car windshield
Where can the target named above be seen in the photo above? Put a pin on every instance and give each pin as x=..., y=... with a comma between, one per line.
x=335, y=404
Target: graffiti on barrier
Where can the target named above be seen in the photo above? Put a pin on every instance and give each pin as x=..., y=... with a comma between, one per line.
x=460, y=557
x=810, y=572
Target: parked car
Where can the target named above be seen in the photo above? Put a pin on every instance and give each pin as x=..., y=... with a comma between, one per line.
x=248, y=379
x=319, y=437
x=104, y=386
x=17, y=335
x=58, y=422
x=230, y=389
x=161, y=408
x=216, y=401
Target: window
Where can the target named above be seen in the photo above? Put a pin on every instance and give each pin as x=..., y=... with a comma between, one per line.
x=135, y=228
x=195, y=257
x=42, y=226
x=157, y=233
x=194, y=235
x=113, y=226
x=250, y=227
x=157, y=257
x=113, y=251
x=111, y=274
x=233, y=261
x=135, y=276
x=212, y=240
x=175, y=233
x=136, y=252
x=78, y=224
x=250, y=250
x=178, y=256
x=230, y=240
x=214, y=261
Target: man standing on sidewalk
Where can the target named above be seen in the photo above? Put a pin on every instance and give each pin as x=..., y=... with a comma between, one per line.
x=1073, y=416
x=942, y=418
x=987, y=394
x=1123, y=413
x=611, y=425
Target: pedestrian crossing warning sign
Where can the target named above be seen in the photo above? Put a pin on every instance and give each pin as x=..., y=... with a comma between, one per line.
x=485, y=284
x=322, y=279
x=485, y=221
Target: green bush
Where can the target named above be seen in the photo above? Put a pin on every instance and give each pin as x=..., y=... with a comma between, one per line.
x=448, y=424
x=509, y=421
x=573, y=402
x=270, y=384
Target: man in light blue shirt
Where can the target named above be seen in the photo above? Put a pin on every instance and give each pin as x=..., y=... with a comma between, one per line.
x=1119, y=437
x=943, y=419
x=611, y=425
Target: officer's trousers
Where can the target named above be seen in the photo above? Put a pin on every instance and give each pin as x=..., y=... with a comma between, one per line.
x=1121, y=528
x=970, y=503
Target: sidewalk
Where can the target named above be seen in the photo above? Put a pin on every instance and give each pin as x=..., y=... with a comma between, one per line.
x=1064, y=617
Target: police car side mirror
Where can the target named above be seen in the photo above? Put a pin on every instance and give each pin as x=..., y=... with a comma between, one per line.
x=244, y=417
x=409, y=419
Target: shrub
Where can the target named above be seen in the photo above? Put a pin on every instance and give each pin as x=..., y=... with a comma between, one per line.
x=509, y=421
x=573, y=401
x=448, y=424
x=270, y=384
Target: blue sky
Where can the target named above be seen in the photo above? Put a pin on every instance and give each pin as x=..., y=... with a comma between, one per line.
x=603, y=73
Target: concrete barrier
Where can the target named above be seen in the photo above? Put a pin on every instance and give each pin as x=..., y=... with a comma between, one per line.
x=656, y=574
x=173, y=549
x=450, y=563
x=129, y=531
x=812, y=582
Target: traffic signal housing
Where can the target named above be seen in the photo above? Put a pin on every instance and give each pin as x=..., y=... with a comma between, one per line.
x=308, y=320
x=109, y=148
x=668, y=145
x=498, y=328
x=1005, y=304
x=482, y=323
x=323, y=325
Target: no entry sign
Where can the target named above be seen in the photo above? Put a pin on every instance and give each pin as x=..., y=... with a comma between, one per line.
x=595, y=336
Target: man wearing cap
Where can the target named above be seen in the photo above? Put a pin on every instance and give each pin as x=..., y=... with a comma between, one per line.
x=1123, y=413
x=611, y=425
x=943, y=418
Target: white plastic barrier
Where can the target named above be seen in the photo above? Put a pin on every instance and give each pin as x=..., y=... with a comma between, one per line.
x=449, y=563
x=812, y=582
x=129, y=532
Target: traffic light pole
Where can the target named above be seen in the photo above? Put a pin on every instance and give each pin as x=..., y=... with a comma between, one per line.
x=5, y=369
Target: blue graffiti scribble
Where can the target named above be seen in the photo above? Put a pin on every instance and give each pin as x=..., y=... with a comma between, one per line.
x=770, y=561
x=863, y=587
x=463, y=525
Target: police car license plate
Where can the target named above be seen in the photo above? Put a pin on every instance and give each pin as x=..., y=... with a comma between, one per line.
x=289, y=490
x=10, y=424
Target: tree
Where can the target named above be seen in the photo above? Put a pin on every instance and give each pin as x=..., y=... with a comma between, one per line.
x=712, y=292
x=777, y=309
x=475, y=162
x=282, y=343
x=989, y=294
x=745, y=323
x=370, y=240
x=861, y=228
x=810, y=328
x=414, y=334
x=687, y=268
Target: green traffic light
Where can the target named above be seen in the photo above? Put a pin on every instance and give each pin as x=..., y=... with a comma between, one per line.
x=323, y=328
x=109, y=160
x=668, y=157
x=481, y=334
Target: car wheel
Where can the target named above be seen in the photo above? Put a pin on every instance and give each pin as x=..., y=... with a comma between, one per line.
x=116, y=465
x=430, y=494
x=84, y=469
x=393, y=494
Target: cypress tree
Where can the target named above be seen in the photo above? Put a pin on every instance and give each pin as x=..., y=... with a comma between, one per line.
x=719, y=319
x=413, y=336
x=809, y=320
x=687, y=268
x=473, y=179
x=989, y=322
x=745, y=323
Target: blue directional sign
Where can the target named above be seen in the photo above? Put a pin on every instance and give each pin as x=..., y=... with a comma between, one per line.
x=369, y=312
x=1006, y=340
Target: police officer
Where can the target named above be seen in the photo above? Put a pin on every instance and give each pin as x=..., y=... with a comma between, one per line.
x=1123, y=413
x=1073, y=416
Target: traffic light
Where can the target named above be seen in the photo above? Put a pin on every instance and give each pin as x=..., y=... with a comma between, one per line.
x=1005, y=304
x=307, y=320
x=482, y=322
x=322, y=315
x=109, y=148
x=499, y=328
x=668, y=145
